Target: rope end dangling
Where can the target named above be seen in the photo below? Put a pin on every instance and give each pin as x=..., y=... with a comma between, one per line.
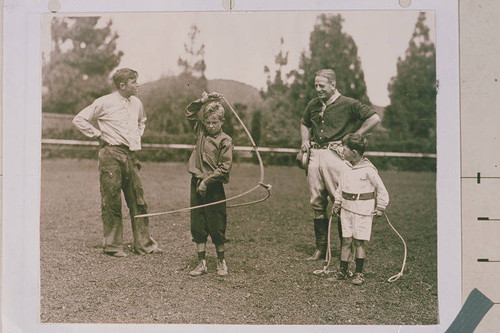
x=395, y=277
x=268, y=187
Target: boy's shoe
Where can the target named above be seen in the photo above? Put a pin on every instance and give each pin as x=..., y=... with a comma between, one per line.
x=221, y=267
x=156, y=251
x=340, y=275
x=358, y=279
x=118, y=254
x=200, y=269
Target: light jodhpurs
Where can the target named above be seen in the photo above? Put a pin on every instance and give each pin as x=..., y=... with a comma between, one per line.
x=325, y=166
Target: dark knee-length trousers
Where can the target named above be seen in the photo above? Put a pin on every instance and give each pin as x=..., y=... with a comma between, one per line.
x=209, y=220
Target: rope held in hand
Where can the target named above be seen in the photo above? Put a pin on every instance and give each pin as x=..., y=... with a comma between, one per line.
x=260, y=184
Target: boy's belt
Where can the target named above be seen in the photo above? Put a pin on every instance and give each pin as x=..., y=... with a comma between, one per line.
x=358, y=196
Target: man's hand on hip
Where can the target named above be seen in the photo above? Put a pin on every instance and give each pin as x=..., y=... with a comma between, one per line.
x=102, y=143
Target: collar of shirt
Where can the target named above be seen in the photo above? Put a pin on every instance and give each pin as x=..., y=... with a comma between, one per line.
x=122, y=98
x=332, y=99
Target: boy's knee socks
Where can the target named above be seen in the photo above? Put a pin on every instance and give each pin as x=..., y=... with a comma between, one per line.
x=220, y=255
x=359, y=265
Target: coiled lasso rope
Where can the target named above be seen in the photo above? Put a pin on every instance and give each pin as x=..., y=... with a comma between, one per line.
x=328, y=254
x=260, y=184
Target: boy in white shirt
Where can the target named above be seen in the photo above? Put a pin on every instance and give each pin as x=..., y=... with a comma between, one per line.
x=360, y=191
x=121, y=122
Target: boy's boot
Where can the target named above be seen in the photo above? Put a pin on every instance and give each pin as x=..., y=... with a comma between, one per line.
x=321, y=233
x=200, y=269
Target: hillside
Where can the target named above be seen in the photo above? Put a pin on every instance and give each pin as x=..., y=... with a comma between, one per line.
x=236, y=92
x=165, y=100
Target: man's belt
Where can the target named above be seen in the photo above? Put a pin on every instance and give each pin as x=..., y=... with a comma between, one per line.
x=122, y=147
x=358, y=196
x=325, y=145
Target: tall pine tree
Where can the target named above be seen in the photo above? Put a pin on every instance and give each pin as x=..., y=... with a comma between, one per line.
x=278, y=123
x=329, y=47
x=81, y=59
x=194, y=62
x=166, y=99
x=412, y=112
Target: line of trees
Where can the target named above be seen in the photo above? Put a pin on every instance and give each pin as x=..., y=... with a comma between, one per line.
x=83, y=56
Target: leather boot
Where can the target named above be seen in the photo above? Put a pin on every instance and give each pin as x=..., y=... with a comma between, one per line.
x=317, y=255
x=321, y=233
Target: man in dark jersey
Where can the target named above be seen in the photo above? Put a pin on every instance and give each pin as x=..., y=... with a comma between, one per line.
x=326, y=120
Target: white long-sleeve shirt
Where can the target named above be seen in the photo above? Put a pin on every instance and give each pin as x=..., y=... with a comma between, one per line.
x=362, y=178
x=121, y=120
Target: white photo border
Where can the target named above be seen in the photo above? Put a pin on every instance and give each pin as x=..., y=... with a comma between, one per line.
x=22, y=156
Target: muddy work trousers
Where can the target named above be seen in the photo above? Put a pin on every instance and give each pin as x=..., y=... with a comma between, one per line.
x=119, y=171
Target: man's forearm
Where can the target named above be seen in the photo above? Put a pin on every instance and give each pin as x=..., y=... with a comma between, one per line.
x=305, y=133
x=369, y=124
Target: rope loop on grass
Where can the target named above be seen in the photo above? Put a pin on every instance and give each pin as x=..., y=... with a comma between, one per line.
x=260, y=183
x=328, y=254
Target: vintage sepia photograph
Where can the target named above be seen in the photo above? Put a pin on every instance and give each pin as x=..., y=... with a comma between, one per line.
x=242, y=168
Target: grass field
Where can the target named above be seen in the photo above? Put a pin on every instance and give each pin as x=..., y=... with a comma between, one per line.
x=269, y=281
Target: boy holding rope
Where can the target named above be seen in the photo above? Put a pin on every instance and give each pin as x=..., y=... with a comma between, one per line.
x=360, y=190
x=209, y=165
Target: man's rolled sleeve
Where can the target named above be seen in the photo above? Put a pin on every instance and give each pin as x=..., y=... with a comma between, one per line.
x=362, y=111
x=306, y=118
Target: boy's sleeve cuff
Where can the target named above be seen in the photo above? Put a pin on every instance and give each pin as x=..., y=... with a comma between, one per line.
x=381, y=208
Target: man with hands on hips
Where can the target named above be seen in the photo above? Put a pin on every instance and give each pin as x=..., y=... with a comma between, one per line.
x=327, y=119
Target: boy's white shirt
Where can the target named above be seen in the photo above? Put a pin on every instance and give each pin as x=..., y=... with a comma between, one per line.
x=362, y=178
x=121, y=120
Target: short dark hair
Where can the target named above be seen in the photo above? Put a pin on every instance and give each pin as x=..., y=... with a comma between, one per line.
x=123, y=75
x=327, y=73
x=212, y=108
x=356, y=142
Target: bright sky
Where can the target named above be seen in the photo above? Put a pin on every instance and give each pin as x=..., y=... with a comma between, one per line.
x=238, y=45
